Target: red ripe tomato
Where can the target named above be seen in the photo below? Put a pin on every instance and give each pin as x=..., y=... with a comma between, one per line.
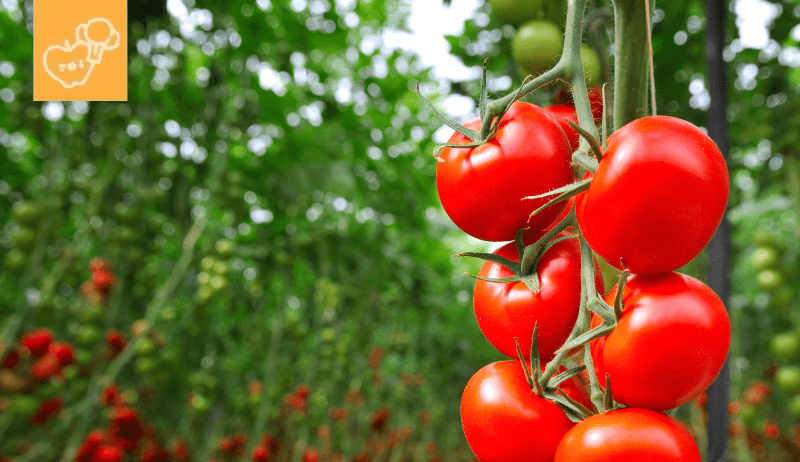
x=63, y=351
x=310, y=455
x=628, y=435
x=596, y=103
x=103, y=282
x=505, y=421
x=508, y=310
x=656, y=198
x=89, y=447
x=107, y=453
x=37, y=341
x=180, y=451
x=11, y=360
x=482, y=188
x=566, y=111
x=669, y=345
x=45, y=367
x=260, y=454
x=125, y=428
x=47, y=409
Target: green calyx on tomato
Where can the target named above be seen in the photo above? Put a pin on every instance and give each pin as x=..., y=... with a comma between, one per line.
x=537, y=46
x=515, y=11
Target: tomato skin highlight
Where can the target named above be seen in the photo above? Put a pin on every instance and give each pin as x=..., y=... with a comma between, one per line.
x=628, y=435
x=508, y=310
x=657, y=197
x=505, y=421
x=669, y=344
x=482, y=189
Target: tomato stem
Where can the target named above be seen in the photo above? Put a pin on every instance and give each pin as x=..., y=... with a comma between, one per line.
x=581, y=158
x=630, y=61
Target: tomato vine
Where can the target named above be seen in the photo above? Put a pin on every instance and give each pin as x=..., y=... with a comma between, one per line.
x=653, y=195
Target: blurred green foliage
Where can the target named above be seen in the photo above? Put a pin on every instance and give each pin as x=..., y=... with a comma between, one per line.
x=300, y=140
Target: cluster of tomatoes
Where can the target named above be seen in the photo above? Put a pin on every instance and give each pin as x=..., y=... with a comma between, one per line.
x=23, y=230
x=32, y=375
x=653, y=202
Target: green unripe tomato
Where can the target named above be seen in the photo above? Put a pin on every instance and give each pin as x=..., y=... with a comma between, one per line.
x=207, y=263
x=255, y=400
x=16, y=261
x=224, y=248
x=537, y=46
x=218, y=283
x=764, y=257
x=515, y=11
x=69, y=372
x=145, y=347
x=89, y=313
x=23, y=405
x=199, y=403
x=24, y=238
x=26, y=212
x=787, y=378
x=203, y=294
x=751, y=418
x=292, y=317
x=83, y=356
x=763, y=237
x=785, y=345
x=328, y=334
x=89, y=335
x=146, y=365
x=592, y=69
x=168, y=313
x=220, y=267
x=769, y=279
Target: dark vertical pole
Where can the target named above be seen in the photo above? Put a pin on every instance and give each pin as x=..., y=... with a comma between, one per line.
x=719, y=247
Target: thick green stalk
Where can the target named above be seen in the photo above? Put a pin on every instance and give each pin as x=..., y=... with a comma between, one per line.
x=630, y=61
x=567, y=66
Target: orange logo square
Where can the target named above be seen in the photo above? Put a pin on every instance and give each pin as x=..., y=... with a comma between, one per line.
x=80, y=50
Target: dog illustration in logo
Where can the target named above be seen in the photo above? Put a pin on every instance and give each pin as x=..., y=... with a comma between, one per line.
x=71, y=65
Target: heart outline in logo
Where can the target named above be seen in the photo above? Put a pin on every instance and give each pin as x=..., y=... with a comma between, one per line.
x=94, y=49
